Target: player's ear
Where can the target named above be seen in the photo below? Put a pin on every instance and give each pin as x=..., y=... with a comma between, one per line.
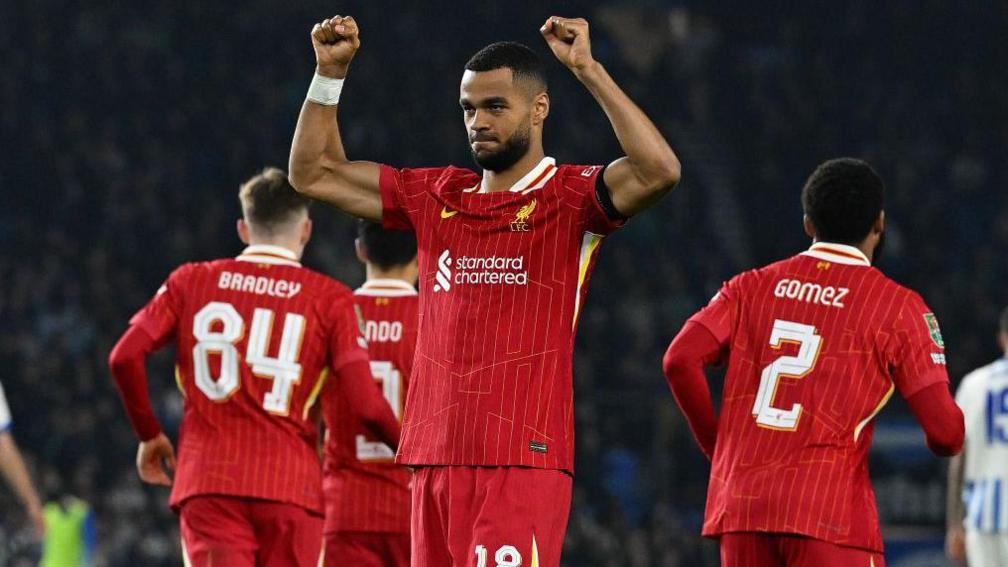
x=809, y=227
x=361, y=251
x=879, y=226
x=540, y=108
x=306, y=230
x=243, y=231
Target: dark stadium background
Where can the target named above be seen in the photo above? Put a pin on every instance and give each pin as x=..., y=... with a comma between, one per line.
x=125, y=128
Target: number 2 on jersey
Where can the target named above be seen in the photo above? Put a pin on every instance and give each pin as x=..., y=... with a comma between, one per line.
x=284, y=370
x=793, y=367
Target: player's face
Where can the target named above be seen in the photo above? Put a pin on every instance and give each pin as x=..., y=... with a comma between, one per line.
x=497, y=116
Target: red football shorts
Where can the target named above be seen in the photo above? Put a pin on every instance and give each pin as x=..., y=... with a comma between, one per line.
x=367, y=549
x=750, y=549
x=489, y=516
x=226, y=531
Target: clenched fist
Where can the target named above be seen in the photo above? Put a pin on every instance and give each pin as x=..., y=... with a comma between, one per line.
x=335, y=40
x=569, y=41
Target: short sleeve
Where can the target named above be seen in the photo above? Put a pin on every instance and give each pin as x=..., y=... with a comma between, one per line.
x=916, y=348
x=161, y=314
x=594, y=215
x=719, y=315
x=5, y=414
x=346, y=336
x=392, y=183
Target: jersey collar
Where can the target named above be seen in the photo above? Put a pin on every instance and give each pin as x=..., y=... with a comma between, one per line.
x=269, y=254
x=533, y=180
x=839, y=253
x=385, y=287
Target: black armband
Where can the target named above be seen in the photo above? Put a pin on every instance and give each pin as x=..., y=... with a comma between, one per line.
x=605, y=199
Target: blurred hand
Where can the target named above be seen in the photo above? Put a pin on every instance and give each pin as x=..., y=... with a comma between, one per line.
x=335, y=40
x=568, y=39
x=153, y=457
x=955, y=544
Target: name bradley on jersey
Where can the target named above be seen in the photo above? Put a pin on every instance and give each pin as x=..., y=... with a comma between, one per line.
x=811, y=293
x=259, y=285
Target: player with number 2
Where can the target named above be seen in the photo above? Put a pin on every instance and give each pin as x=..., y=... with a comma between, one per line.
x=260, y=340
x=815, y=346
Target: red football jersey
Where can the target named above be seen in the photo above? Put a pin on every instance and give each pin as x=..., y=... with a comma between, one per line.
x=255, y=338
x=502, y=279
x=365, y=491
x=816, y=345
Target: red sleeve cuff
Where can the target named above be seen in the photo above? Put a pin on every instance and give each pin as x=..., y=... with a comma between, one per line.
x=393, y=215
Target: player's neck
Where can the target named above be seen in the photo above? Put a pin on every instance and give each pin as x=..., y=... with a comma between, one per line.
x=407, y=273
x=494, y=181
x=293, y=245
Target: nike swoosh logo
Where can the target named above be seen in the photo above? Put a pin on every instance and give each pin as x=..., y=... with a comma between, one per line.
x=446, y=214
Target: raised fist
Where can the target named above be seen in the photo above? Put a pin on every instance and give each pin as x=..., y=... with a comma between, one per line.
x=569, y=41
x=335, y=40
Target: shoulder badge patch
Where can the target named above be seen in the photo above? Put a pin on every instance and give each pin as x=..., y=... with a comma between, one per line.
x=934, y=330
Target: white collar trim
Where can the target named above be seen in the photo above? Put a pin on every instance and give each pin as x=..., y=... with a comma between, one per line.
x=533, y=180
x=269, y=254
x=385, y=287
x=839, y=253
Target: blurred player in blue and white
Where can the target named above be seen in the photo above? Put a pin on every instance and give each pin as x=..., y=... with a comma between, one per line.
x=978, y=477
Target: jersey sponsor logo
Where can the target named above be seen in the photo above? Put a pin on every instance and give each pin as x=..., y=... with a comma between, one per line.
x=934, y=330
x=259, y=285
x=811, y=292
x=938, y=358
x=479, y=270
x=520, y=222
x=447, y=213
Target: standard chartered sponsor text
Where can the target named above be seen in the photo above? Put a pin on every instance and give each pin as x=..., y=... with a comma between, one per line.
x=481, y=270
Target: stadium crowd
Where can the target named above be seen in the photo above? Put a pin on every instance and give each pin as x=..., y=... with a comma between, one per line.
x=126, y=129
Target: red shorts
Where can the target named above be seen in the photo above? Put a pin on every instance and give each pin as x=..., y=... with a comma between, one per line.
x=489, y=516
x=750, y=549
x=367, y=549
x=228, y=531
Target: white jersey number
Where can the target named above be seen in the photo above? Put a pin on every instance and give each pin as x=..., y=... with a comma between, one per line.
x=506, y=556
x=794, y=367
x=284, y=369
x=390, y=379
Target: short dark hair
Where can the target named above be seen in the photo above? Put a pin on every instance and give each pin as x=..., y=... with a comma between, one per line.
x=525, y=65
x=386, y=248
x=1003, y=323
x=268, y=199
x=843, y=198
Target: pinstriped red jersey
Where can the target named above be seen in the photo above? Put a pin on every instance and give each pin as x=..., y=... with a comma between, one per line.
x=253, y=336
x=502, y=279
x=816, y=345
x=365, y=491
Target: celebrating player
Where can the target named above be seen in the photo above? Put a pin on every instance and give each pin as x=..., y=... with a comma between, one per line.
x=257, y=337
x=367, y=495
x=815, y=345
x=504, y=260
x=977, y=517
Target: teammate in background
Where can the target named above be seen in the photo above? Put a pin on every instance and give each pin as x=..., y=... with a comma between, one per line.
x=815, y=346
x=257, y=337
x=367, y=494
x=504, y=260
x=15, y=472
x=978, y=477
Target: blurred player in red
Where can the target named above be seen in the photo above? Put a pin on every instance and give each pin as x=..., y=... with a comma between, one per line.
x=259, y=338
x=367, y=494
x=504, y=260
x=815, y=346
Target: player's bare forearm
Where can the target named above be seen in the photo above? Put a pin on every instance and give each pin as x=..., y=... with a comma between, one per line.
x=954, y=510
x=318, y=164
x=650, y=168
x=13, y=467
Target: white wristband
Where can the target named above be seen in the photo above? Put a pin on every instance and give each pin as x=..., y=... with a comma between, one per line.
x=325, y=90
